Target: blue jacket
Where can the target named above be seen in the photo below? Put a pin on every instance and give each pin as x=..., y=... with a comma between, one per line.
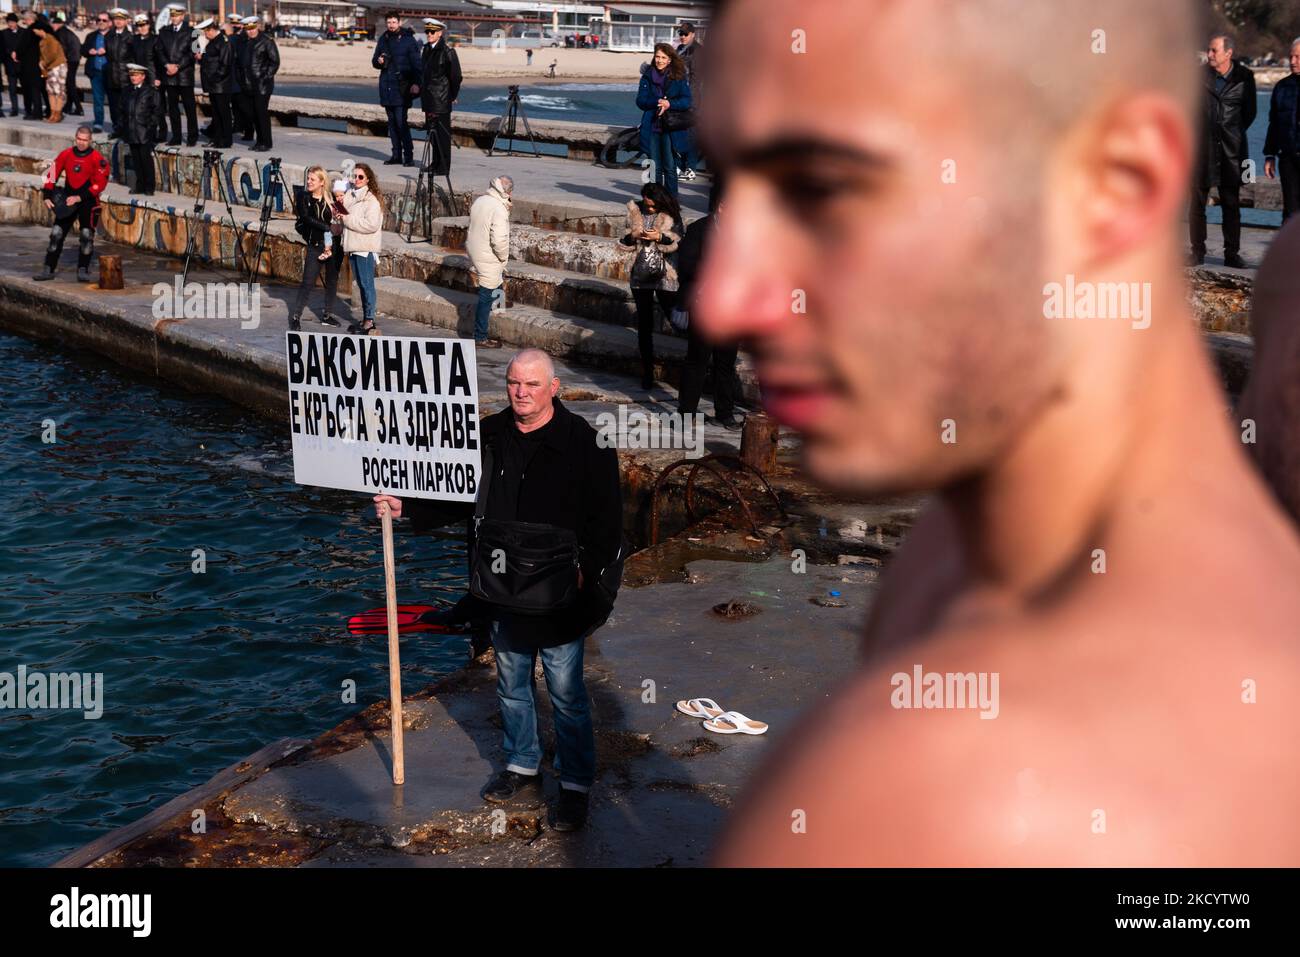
x=400, y=69
x=679, y=98
x=1282, y=136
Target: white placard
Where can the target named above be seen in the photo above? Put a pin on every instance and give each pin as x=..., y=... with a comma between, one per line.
x=384, y=414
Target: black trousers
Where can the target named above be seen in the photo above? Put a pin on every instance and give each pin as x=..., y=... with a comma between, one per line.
x=262, y=117
x=142, y=162
x=176, y=95
x=328, y=269
x=11, y=74
x=241, y=107
x=33, y=91
x=645, y=322
x=437, y=127
x=74, y=94
x=84, y=223
x=115, y=94
x=1288, y=170
x=222, y=130
x=698, y=353
x=399, y=132
x=1229, y=202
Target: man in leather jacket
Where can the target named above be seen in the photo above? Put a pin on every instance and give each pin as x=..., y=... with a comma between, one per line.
x=439, y=88
x=216, y=66
x=174, y=67
x=1229, y=110
x=117, y=48
x=258, y=60
x=141, y=108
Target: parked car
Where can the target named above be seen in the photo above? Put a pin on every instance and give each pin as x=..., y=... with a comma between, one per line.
x=305, y=33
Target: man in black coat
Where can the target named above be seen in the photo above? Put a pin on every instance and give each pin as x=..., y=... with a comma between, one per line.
x=117, y=48
x=547, y=466
x=439, y=88
x=216, y=69
x=1282, y=144
x=1229, y=110
x=241, y=107
x=140, y=111
x=29, y=66
x=143, y=46
x=71, y=50
x=257, y=61
x=174, y=61
x=9, y=40
x=397, y=58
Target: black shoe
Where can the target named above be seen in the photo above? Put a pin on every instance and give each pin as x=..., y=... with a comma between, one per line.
x=134, y=191
x=571, y=812
x=260, y=149
x=146, y=192
x=175, y=142
x=295, y=323
x=730, y=423
x=1196, y=259
x=192, y=141
x=410, y=162
x=246, y=136
x=328, y=320
x=83, y=274
x=1235, y=261
x=48, y=273
x=14, y=111
x=647, y=382
x=509, y=784
x=392, y=161
x=31, y=117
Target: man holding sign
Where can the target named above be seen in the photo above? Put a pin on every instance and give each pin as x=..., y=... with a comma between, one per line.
x=546, y=558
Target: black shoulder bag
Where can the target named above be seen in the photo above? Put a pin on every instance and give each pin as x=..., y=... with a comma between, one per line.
x=529, y=567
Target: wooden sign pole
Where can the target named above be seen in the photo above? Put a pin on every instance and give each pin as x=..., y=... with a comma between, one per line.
x=394, y=660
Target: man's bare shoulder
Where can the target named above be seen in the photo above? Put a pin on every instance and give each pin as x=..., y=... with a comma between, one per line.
x=1079, y=753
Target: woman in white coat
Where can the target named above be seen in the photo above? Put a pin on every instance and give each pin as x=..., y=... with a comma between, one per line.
x=363, y=231
x=488, y=246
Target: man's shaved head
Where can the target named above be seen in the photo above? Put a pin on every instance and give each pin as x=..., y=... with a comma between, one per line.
x=530, y=357
x=888, y=231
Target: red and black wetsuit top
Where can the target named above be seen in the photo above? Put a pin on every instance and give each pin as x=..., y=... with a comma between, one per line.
x=86, y=173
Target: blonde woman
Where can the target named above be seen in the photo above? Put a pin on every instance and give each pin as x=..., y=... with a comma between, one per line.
x=362, y=212
x=323, y=256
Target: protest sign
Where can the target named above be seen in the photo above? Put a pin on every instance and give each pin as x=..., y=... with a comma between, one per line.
x=385, y=414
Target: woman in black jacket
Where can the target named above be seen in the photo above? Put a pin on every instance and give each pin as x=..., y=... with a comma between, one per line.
x=314, y=216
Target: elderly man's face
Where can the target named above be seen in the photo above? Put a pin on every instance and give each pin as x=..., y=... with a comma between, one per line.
x=119, y=22
x=1295, y=58
x=879, y=296
x=531, y=389
x=1218, y=56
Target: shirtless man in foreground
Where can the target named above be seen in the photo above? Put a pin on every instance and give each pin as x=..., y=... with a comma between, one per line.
x=1098, y=540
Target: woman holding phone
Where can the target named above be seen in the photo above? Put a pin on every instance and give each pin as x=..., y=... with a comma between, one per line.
x=323, y=254
x=362, y=212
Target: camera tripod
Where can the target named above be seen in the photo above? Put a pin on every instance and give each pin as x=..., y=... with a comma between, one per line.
x=275, y=187
x=507, y=126
x=211, y=168
x=426, y=184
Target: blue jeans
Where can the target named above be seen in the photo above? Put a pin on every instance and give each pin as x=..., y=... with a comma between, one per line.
x=399, y=132
x=98, y=90
x=665, y=163
x=575, y=743
x=363, y=267
x=482, y=310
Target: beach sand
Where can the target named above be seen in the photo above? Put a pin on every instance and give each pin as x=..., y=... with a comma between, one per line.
x=309, y=58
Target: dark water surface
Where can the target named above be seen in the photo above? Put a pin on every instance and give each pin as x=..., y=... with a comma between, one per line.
x=199, y=670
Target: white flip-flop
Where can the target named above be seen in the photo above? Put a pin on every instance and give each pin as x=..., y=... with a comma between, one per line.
x=700, y=708
x=733, y=722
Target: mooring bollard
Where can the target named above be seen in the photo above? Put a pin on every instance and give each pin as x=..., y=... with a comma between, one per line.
x=110, y=272
x=758, y=442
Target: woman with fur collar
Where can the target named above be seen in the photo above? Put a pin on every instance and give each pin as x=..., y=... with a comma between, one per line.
x=654, y=223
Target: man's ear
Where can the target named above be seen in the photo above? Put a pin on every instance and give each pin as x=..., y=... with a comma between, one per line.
x=555, y=386
x=1121, y=176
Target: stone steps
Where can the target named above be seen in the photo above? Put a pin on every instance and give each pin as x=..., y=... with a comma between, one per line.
x=11, y=210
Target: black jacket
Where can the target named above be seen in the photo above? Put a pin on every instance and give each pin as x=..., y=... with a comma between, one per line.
x=1283, y=138
x=117, y=47
x=572, y=482
x=9, y=43
x=692, y=60
x=71, y=50
x=217, y=67
x=440, y=79
x=256, y=63
x=142, y=107
x=142, y=52
x=314, y=216
x=173, y=46
x=1226, y=118
x=690, y=256
x=29, y=50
